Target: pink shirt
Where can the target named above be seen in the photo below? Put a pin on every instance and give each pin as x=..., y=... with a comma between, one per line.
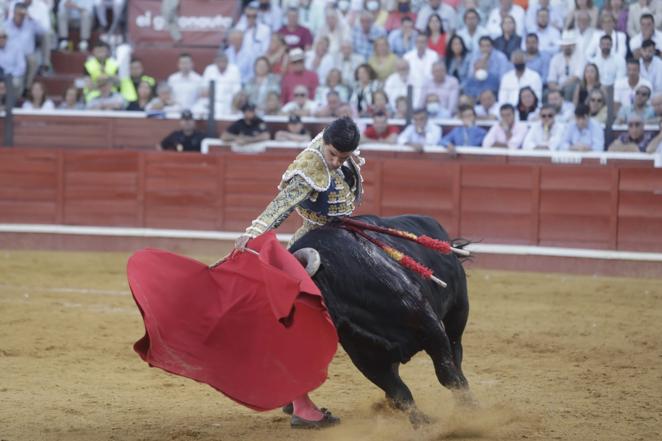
x=292, y=79
x=496, y=134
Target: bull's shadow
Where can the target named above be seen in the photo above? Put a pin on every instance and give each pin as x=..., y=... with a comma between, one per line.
x=385, y=313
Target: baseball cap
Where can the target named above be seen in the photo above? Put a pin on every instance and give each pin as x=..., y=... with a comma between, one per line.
x=294, y=119
x=296, y=54
x=186, y=114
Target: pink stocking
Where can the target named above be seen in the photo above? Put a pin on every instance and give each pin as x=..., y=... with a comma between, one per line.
x=306, y=409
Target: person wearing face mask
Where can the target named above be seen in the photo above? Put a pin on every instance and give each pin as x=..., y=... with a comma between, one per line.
x=469, y=134
x=445, y=87
x=518, y=78
x=651, y=65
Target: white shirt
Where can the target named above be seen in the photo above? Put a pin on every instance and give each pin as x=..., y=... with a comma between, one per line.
x=618, y=44
x=652, y=73
x=494, y=21
x=548, y=39
x=610, y=68
x=395, y=87
x=431, y=135
x=493, y=111
x=420, y=69
x=257, y=39
x=537, y=135
x=446, y=12
x=556, y=16
x=185, y=89
x=471, y=41
x=624, y=94
x=560, y=68
x=226, y=86
x=584, y=40
x=635, y=42
x=511, y=85
x=39, y=11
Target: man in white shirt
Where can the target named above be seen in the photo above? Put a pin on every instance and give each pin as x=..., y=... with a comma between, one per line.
x=648, y=32
x=420, y=62
x=396, y=83
x=564, y=111
x=227, y=82
x=584, y=31
x=472, y=30
x=618, y=38
x=566, y=67
x=505, y=8
x=546, y=134
x=420, y=132
x=610, y=66
x=185, y=83
x=555, y=14
x=548, y=36
x=447, y=14
x=651, y=65
x=257, y=36
x=519, y=77
x=625, y=88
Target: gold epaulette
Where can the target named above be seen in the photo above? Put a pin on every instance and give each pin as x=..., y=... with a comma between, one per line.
x=310, y=165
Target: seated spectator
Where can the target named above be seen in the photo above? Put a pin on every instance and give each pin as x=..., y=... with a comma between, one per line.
x=318, y=59
x=472, y=30
x=401, y=108
x=508, y=42
x=566, y=67
x=505, y=8
x=25, y=32
x=295, y=132
x=380, y=104
x=187, y=139
x=648, y=32
x=365, y=33
x=457, y=58
x=610, y=66
x=185, y=84
x=383, y=60
x=639, y=8
x=403, y=40
x=71, y=100
x=331, y=107
x=639, y=106
x=597, y=105
x=37, y=98
x=102, y=7
x=277, y=54
x=248, y=130
x=240, y=56
x=585, y=6
x=590, y=80
x=301, y=105
x=564, y=110
x=546, y=133
x=536, y=60
x=651, y=65
x=257, y=35
x=269, y=13
x=105, y=97
x=272, y=106
x=227, y=82
x=656, y=103
x=420, y=62
x=527, y=105
x=469, y=134
x=397, y=83
x=75, y=11
x=164, y=102
x=129, y=85
x=12, y=60
x=488, y=108
x=366, y=84
x=608, y=27
x=625, y=88
x=548, y=35
x=636, y=139
x=446, y=87
x=446, y=12
x=297, y=75
x=380, y=131
x=655, y=145
x=517, y=79
x=100, y=63
x=295, y=34
x=238, y=102
x=434, y=108
x=556, y=14
x=143, y=97
x=619, y=10
x=396, y=16
x=508, y=133
x=584, y=134
x=480, y=80
x=261, y=84
x=494, y=61
x=436, y=34
x=333, y=83
x=420, y=132
x=336, y=28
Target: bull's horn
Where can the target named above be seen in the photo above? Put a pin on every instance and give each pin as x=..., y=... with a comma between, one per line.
x=310, y=258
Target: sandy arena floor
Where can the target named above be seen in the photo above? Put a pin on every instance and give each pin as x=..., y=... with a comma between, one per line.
x=549, y=357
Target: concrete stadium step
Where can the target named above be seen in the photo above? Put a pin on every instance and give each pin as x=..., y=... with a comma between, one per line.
x=70, y=63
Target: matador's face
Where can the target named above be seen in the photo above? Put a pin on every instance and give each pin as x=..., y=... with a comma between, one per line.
x=334, y=158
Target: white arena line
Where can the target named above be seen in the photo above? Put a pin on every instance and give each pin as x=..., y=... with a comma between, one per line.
x=520, y=250
x=99, y=292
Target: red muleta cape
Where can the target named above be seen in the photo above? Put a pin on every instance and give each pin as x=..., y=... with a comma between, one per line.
x=254, y=327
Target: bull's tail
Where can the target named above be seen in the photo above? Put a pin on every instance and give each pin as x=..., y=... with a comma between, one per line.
x=460, y=243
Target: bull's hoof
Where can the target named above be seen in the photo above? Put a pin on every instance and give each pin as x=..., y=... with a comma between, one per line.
x=288, y=409
x=466, y=399
x=327, y=421
x=418, y=418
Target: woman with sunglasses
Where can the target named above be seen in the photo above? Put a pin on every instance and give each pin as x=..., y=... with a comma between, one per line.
x=597, y=104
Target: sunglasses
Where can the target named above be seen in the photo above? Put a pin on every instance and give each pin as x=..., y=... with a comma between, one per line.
x=634, y=124
x=299, y=94
x=642, y=93
x=596, y=100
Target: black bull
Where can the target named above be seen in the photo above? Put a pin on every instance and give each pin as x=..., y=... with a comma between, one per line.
x=385, y=313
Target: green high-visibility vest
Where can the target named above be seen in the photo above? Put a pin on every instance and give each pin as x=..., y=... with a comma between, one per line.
x=94, y=69
x=128, y=89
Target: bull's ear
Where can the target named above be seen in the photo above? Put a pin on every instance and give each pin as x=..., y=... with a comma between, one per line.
x=309, y=258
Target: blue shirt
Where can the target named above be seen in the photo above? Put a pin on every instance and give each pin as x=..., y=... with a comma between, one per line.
x=363, y=43
x=465, y=136
x=540, y=64
x=473, y=87
x=244, y=60
x=12, y=60
x=497, y=64
x=397, y=43
x=592, y=135
x=24, y=37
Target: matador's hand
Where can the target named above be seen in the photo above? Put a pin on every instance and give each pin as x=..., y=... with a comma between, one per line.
x=240, y=243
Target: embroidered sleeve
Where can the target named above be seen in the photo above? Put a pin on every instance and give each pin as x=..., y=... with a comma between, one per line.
x=296, y=190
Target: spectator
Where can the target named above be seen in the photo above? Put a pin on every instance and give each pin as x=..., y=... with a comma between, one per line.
x=508, y=42
x=582, y=6
x=336, y=29
x=170, y=14
x=104, y=97
x=656, y=103
x=444, y=86
x=277, y=54
x=144, y=96
x=366, y=84
x=504, y=9
x=318, y=59
x=472, y=30
x=584, y=134
x=301, y=105
x=468, y=134
x=639, y=106
x=294, y=34
x=527, y=104
x=635, y=139
x=564, y=111
x=457, y=58
x=590, y=80
x=297, y=75
x=164, y=102
x=380, y=131
x=518, y=78
x=24, y=32
x=295, y=132
x=101, y=63
x=436, y=35
x=495, y=62
x=624, y=88
x=375, y=7
x=347, y=61
x=396, y=84
x=487, y=109
x=536, y=60
x=227, y=82
x=383, y=60
x=548, y=36
x=420, y=62
x=566, y=67
x=379, y=104
x=365, y=33
x=40, y=11
x=240, y=56
x=272, y=106
x=637, y=9
x=75, y=11
x=648, y=32
x=481, y=79
x=556, y=14
x=37, y=98
x=401, y=108
x=444, y=11
x=585, y=32
x=262, y=82
x=129, y=85
x=545, y=134
x=187, y=139
x=651, y=65
x=597, y=104
x=257, y=35
x=403, y=10
x=619, y=39
x=331, y=106
x=311, y=14
x=269, y=13
x=403, y=40
x=610, y=66
x=101, y=8
x=12, y=60
x=334, y=82
x=620, y=12
x=508, y=133
x=655, y=145
x=71, y=100
x=248, y=130
x=433, y=107
x=421, y=132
